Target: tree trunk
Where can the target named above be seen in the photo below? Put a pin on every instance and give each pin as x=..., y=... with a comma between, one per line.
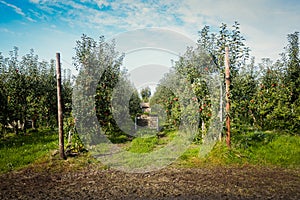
x=24, y=125
x=33, y=121
x=16, y=127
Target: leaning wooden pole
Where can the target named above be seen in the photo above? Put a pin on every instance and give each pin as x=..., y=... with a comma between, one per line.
x=59, y=108
x=227, y=82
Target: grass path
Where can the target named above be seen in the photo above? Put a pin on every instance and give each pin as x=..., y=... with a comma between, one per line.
x=261, y=148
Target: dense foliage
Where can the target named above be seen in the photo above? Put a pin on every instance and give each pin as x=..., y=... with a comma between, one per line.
x=146, y=94
x=275, y=103
x=100, y=71
x=28, y=92
x=263, y=97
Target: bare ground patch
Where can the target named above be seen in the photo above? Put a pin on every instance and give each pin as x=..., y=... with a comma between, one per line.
x=218, y=182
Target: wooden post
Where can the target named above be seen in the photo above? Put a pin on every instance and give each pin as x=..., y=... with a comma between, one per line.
x=59, y=108
x=227, y=82
x=221, y=108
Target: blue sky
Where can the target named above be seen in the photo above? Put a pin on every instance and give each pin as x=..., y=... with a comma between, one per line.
x=50, y=26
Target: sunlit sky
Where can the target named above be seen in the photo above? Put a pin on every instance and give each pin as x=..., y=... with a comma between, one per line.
x=50, y=26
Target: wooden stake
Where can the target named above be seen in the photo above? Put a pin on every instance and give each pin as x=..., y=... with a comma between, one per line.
x=221, y=109
x=227, y=82
x=59, y=109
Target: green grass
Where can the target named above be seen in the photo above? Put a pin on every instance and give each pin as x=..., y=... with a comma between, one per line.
x=19, y=151
x=150, y=142
x=283, y=151
x=255, y=148
x=259, y=148
x=143, y=145
x=190, y=158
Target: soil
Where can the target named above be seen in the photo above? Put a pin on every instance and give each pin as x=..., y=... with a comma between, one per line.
x=218, y=182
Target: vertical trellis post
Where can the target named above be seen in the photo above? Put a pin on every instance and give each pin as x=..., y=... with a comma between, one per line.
x=221, y=108
x=59, y=108
x=227, y=83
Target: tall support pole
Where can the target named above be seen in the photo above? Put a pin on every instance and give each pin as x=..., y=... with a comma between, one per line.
x=59, y=108
x=221, y=108
x=227, y=82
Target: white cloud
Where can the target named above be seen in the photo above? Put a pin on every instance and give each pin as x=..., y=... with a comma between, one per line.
x=17, y=10
x=34, y=1
x=5, y=30
x=264, y=23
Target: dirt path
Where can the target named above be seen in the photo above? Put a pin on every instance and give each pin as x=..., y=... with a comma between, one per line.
x=246, y=182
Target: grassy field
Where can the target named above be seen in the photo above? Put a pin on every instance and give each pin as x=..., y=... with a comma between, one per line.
x=19, y=151
x=255, y=148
